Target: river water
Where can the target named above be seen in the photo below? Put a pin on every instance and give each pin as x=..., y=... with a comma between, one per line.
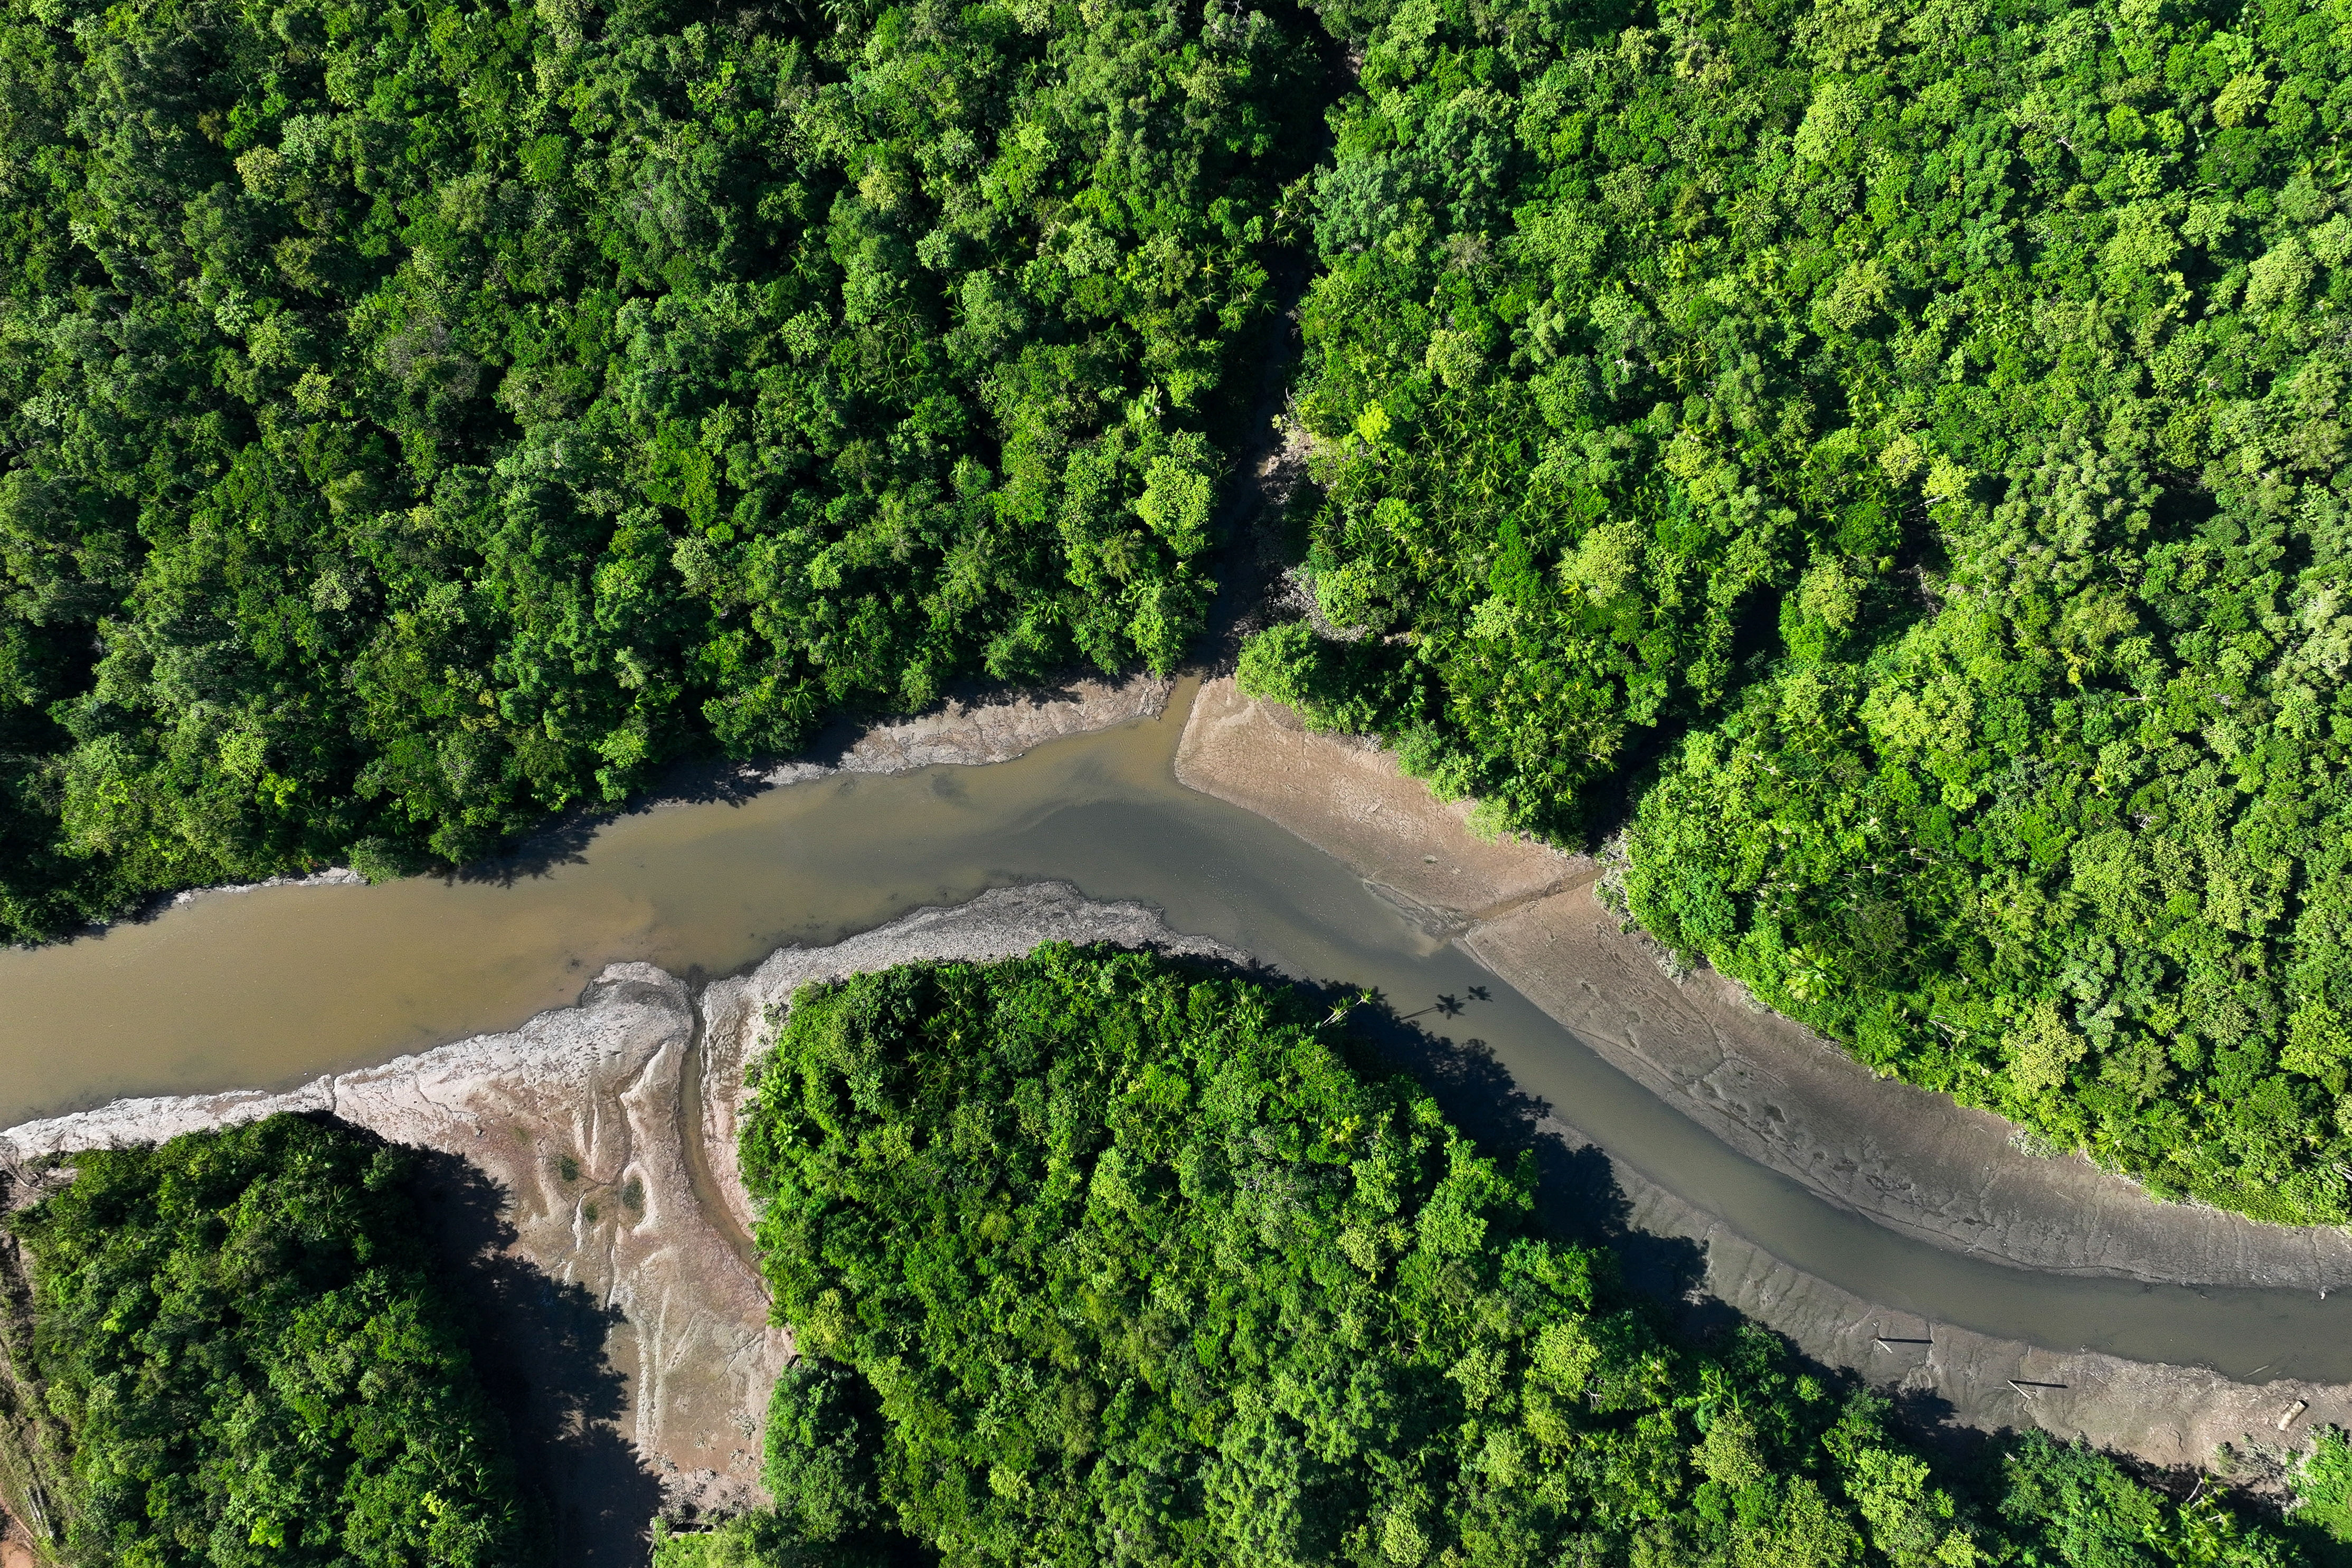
x=268, y=987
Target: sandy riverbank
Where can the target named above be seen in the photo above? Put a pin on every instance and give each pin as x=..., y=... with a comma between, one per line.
x=1909, y=1160
x=638, y=1231
x=996, y=729
x=2171, y=1416
x=578, y=1159
x=639, y=1335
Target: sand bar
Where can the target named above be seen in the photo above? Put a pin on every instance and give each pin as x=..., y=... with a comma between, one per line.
x=1907, y=1159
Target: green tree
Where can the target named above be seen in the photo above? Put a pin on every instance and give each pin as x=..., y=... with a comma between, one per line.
x=1132, y=1262
x=414, y=421
x=1901, y=449
x=254, y=1364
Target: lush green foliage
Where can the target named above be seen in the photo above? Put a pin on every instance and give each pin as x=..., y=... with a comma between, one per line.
x=2323, y=1485
x=1134, y=1266
x=759, y=1540
x=418, y=416
x=254, y=1364
x=1995, y=349
x=823, y=1432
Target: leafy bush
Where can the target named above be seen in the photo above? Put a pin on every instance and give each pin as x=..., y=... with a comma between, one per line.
x=1916, y=431
x=2323, y=1489
x=419, y=417
x=253, y=1363
x=1134, y=1266
x=756, y=1541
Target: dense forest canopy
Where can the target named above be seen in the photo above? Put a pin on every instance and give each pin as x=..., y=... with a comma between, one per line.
x=1895, y=459
x=418, y=416
x=1890, y=462
x=241, y=1350
x=1906, y=447
x=1096, y=1260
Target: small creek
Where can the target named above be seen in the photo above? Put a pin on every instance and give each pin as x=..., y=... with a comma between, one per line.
x=269, y=987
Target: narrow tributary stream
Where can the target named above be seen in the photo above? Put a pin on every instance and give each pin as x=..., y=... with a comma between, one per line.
x=271, y=986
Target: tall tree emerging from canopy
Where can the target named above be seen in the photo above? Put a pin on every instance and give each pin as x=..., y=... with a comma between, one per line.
x=253, y=1364
x=1911, y=440
x=1096, y=1260
x=415, y=417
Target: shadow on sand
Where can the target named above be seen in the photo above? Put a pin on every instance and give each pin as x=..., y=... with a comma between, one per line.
x=540, y=1346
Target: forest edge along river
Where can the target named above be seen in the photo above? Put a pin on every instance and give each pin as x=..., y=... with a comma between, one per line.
x=277, y=985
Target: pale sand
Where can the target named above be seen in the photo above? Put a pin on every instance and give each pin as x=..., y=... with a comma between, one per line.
x=2173, y=1416
x=997, y=728
x=1000, y=726
x=1345, y=796
x=604, y=1084
x=1907, y=1159
x=597, y=1084
x=1911, y=1160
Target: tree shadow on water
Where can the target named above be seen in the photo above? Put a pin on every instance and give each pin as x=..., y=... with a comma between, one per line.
x=540, y=1346
x=1578, y=1199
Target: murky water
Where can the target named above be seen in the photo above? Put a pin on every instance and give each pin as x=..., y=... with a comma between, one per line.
x=268, y=987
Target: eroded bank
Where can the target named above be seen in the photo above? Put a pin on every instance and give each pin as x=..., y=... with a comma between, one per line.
x=581, y=1133
x=1903, y=1158
x=304, y=980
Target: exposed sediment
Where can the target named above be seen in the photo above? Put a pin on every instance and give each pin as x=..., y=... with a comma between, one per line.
x=1345, y=796
x=575, y=1120
x=1912, y=1160
x=1909, y=1159
x=608, y=1129
x=572, y=1121
x=2171, y=1416
x=995, y=728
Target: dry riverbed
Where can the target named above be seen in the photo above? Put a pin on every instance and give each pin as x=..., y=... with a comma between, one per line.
x=580, y=1172
x=582, y=1167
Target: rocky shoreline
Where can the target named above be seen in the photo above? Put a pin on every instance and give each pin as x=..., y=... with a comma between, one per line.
x=1909, y=1160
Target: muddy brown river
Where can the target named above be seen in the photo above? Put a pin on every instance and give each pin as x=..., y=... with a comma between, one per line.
x=269, y=987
